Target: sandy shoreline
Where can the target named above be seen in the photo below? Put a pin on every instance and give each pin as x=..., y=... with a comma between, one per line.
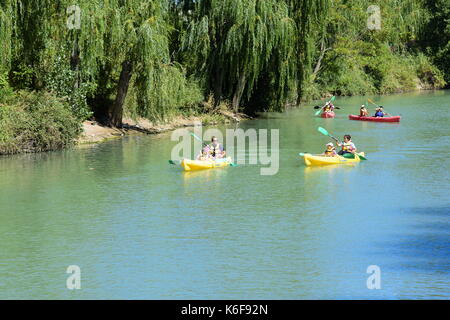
x=94, y=132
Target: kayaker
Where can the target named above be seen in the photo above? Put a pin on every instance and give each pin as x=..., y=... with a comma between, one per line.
x=379, y=112
x=347, y=146
x=330, y=150
x=328, y=107
x=204, y=154
x=216, y=149
x=363, y=111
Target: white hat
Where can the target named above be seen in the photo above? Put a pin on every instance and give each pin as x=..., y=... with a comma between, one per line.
x=330, y=144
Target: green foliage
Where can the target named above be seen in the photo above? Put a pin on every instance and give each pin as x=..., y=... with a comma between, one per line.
x=169, y=94
x=22, y=76
x=435, y=36
x=362, y=61
x=64, y=83
x=430, y=76
x=5, y=88
x=257, y=55
x=33, y=122
x=234, y=41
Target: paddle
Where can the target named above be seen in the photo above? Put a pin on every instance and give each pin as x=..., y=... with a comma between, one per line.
x=317, y=107
x=325, y=132
x=318, y=112
x=198, y=138
x=370, y=100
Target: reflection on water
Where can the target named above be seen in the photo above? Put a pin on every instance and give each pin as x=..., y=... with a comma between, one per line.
x=204, y=176
x=140, y=228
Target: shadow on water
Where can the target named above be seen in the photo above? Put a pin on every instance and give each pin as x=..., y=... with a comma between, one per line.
x=426, y=248
x=430, y=211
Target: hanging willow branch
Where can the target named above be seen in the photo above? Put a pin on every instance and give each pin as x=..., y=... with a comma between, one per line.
x=234, y=40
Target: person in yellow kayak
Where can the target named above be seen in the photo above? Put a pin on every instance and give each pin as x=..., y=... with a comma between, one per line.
x=204, y=154
x=216, y=149
x=347, y=146
x=330, y=150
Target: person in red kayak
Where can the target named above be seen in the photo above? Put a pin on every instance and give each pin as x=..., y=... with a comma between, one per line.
x=328, y=107
x=379, y=112
x=347, y=146
x=363, y=111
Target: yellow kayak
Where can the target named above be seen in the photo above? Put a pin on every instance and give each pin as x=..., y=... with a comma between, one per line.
x=190, y=165
x=319, y=160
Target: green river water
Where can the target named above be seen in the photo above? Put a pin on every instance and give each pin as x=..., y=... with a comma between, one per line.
x=140, y=228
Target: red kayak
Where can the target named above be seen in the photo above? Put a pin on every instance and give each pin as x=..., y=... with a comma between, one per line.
x=328, y=114
x=377, y=119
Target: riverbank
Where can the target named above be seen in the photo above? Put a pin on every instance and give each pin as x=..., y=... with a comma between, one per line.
x=95, y=132
x=33, y=121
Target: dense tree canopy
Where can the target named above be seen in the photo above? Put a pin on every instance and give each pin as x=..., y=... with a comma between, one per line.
x=155, y=58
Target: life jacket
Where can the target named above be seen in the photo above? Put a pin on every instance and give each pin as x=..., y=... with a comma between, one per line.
x=330, y=152
x=347, y=146
x=379, y=114
x=215, y=150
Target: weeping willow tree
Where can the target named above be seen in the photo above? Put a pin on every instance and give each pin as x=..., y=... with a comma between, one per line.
x=152, y=56
x=310, y=18
x=233, y=42
x=42, y=51
x=136, y=43
x=92, y=51
x=400, y=20
x=6, y=29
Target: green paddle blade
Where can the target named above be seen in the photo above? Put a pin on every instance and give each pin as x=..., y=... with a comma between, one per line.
x=195, y=136
x=172, y=162
x=233, y=164
x=323, y=131
x=352, y=156
x=318, y=112
x=361, y=156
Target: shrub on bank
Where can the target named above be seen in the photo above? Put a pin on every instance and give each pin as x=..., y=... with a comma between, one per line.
x=34, y=122
x=360, y=68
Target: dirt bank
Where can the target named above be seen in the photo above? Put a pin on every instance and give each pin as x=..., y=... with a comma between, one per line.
x=94, y=132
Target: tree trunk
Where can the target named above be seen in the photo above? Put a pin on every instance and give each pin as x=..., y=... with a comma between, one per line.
x=323, y=49
x=300, y=79
x=75, y=62
x=122, y=90
x=238, y=92
x=218, y=81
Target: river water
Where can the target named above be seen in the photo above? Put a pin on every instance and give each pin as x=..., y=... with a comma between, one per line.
x=139, y=228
